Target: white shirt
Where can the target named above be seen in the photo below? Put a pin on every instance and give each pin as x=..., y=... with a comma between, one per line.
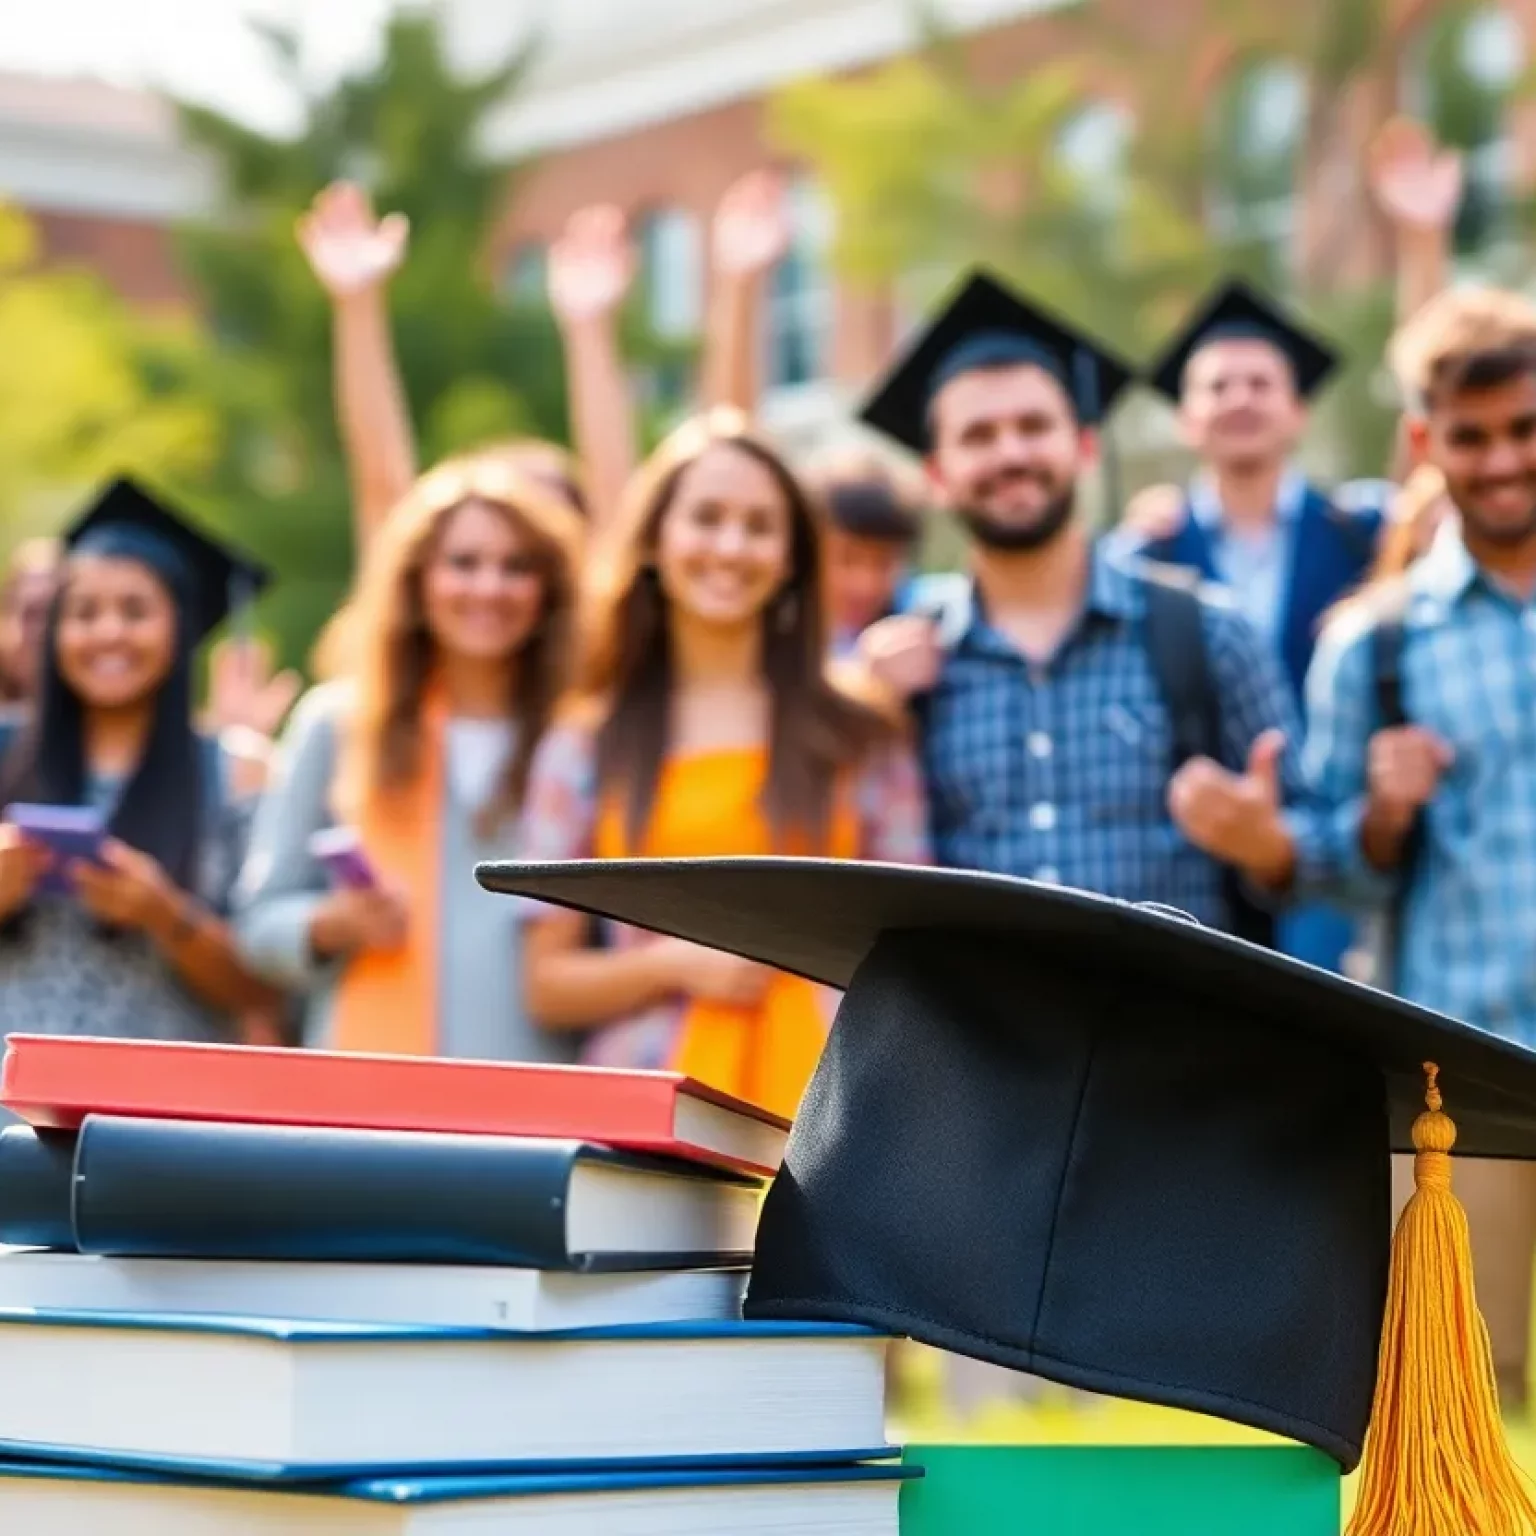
x=478, y=751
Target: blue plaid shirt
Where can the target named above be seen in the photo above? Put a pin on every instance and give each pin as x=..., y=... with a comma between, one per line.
x=1060, y=772
x=1468, y=940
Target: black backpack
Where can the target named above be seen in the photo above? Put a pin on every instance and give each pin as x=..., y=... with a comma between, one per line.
x=1387, y=645
x=1175, y=639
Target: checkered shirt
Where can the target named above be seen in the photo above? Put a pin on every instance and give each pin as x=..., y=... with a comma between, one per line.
x=1467, y=946
x=1060, y=772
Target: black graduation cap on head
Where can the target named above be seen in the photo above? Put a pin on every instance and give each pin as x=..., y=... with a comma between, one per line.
x=1080, y=1138
x=208, y=579
x=1235, y=310
x=987, y=325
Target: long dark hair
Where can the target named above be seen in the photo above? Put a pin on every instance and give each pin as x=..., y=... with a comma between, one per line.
x=160, y=809
x=817, y=727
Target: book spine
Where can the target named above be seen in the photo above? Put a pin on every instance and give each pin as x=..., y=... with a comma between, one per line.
x=184, y=1189
x=36, y=1171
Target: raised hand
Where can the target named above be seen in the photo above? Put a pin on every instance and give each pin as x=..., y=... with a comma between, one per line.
x=349, y=249
x=752, y=232
x=243, y=690
x=591, y=266
x=1416, y=183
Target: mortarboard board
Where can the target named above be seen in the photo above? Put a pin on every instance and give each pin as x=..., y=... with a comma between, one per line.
x=986, y=325
x=208, y=578
x=1105, y=1145
x=1236, y=311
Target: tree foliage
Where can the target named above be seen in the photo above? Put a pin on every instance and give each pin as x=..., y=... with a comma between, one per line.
x=1229, y=107
x=87, y=388
x=475, y=366
x=930, y=171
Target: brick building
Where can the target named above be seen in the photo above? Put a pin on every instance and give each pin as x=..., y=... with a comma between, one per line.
x=101, y=172
x=658, y=107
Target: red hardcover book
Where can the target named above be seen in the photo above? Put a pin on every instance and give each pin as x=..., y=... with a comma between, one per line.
x=55, y=1081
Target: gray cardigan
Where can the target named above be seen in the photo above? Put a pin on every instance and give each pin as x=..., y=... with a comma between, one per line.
x=480, y=1004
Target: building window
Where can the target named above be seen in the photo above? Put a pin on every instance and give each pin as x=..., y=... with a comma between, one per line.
x=800, y=296
x=671, y=273
x=526, y=277
x=1462, y=71
x=1093, y=149
x=1257, y=133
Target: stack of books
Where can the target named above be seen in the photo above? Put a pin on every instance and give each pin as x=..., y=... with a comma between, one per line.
x=258, y=1291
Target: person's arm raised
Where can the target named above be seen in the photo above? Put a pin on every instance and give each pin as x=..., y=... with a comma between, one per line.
x=353, y=254
x=751, y=235
x=1418, y=186
x=591, y=268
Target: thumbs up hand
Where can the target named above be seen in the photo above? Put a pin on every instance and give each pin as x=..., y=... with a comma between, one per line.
x=1236, y=817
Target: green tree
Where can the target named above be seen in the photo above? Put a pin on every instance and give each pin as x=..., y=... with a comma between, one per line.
x=930, y=170
x=475, y=365
x=932, y=167
x=87, y=389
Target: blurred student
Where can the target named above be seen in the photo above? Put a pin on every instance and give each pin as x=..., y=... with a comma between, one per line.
x=26, y=593
x=133, y=940
x=1421, y=746
x=874, y=522
x=707, y=724
x=461, y=637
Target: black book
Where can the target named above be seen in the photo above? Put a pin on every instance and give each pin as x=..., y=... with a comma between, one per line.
x=186, y=1189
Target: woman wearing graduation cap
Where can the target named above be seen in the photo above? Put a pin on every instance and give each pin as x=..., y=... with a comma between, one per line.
x=708, y=725
x=124, y=935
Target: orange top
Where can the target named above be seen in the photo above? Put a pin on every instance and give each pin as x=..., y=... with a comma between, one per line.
x=387, y=999
x=709, y=804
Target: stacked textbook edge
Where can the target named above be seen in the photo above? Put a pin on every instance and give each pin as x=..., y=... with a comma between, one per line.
x=262, y=1290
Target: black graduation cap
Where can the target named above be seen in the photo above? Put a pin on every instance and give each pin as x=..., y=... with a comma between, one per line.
x=1081, y=1138
x=209, y=579
x=1235, y=310
x=987, y=325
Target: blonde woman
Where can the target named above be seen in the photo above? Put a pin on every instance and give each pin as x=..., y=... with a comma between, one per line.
x=458, y=645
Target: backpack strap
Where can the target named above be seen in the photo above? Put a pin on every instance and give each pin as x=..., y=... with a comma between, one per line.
x=1388, y=640
x=1175, y=639
x=1176, y=647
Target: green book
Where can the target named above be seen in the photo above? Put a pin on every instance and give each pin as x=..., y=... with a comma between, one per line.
x=1070, y=1490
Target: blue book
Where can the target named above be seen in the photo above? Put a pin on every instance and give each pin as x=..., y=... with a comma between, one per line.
x=858, y=1500
x=288, y=1400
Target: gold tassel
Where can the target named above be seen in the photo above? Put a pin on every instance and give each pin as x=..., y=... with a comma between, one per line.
x=1436, y=1460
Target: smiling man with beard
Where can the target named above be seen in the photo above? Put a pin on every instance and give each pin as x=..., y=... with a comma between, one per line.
x=1048, y=739
x=1426, y=801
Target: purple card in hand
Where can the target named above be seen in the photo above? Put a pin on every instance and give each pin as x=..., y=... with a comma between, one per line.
x=68, y=832
x=339, y=850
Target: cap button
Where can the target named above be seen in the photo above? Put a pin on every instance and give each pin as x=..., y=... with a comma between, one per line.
x=1162, y=909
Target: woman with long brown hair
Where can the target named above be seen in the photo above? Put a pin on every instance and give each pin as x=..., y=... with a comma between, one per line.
x=707, y=724
x=421, y=752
